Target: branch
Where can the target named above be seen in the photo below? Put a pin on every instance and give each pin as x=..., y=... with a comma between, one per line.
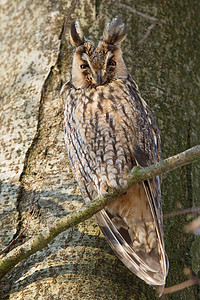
x=137, y=174
x=134, y=11
x=191, y=210
x=146, y=34
x=189, y=156
x=181, y=286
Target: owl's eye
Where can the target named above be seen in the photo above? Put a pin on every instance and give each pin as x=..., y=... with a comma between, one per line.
x=84, y=66
x=112, y=63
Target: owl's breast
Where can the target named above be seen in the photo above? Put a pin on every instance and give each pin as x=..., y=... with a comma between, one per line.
x=101, y=131
x=106, y=112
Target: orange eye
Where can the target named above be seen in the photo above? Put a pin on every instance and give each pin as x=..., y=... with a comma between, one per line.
x=112, y=63
x=84, y=66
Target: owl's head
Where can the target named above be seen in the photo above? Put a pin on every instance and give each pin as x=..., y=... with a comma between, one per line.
x=95, y=65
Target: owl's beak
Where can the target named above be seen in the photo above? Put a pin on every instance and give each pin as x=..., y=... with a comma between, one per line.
x=99, y=77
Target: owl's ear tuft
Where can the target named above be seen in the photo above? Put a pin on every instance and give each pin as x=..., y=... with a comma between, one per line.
x=76, y=34
x=115, y=31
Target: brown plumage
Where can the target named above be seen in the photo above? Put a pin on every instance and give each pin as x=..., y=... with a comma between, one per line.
x=108, y=129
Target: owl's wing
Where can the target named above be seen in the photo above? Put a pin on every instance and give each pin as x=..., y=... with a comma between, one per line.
x=142, y=202
x=152, y=186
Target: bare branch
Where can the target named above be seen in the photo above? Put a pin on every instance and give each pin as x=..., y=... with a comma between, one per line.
x=136, y=175
x=147, y=34
x=182, y=212
x=178, y=213
x=181, y=286
x=134, y=11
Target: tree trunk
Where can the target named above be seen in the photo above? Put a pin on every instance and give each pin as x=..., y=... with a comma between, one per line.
x=35, y=173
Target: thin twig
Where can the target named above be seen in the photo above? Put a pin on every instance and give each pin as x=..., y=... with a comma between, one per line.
x=170, y=215
x=152, y=19
x=147, y=34
x=67, y=20
x=181, y=286
x=182, y=212
x=134, y=11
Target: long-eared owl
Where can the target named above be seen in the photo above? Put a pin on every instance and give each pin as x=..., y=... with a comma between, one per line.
x=109, y=129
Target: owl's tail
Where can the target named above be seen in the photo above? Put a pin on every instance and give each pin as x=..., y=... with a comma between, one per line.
x=151, y=266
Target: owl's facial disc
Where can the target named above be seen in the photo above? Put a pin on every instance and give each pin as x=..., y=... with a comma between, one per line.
x=99, y=66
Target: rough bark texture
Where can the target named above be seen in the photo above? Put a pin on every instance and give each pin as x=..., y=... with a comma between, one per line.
x=79, y=264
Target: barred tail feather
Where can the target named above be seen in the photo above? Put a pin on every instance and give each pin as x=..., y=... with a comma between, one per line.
x=142, y=264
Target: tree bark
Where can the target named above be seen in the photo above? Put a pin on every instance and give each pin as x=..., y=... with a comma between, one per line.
x=79, y=264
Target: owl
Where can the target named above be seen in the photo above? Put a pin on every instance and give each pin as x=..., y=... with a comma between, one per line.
x=109, y=129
